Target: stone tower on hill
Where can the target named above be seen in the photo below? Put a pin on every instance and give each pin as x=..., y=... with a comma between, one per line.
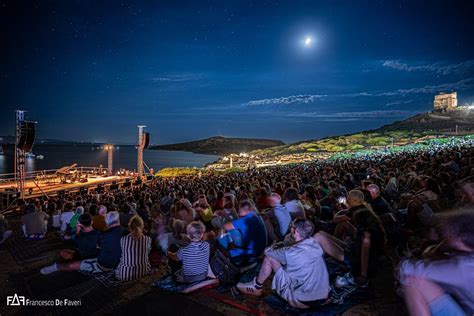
x=445, y=102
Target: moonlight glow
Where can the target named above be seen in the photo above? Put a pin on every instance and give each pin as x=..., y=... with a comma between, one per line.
x=308, y=41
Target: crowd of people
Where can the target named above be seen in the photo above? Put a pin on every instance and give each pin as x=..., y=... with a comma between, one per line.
x=290, y=219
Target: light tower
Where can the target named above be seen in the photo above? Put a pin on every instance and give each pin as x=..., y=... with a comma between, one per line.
x=141, y=146
x=20, y=172
x=110, y=159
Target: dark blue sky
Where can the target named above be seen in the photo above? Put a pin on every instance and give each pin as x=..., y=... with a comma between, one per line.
x=193, y=69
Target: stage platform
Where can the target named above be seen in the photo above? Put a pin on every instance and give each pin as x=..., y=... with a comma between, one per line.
x=53, y=189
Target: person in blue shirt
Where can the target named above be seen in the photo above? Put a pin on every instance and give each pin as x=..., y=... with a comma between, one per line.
x=246, y=237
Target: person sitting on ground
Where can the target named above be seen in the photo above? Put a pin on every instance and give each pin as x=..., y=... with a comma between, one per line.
x=444, y=287
x=226, y=214
x=136, y=247
x=5, y=231
x=277, y=219
x=369, y=244
x=311, y=203
x=343, y=219
x=203, y=210
x=65, y=218
x=86, y=239
x=55, y=215
x=183, y=210
x=35, y=223
x=99, y=219
x=109, y=253
x=301, y=277
x=74, y=220
x=293, y=204
x=176, y=237
x=378, y=203
x=246, y=237
x=194, y=257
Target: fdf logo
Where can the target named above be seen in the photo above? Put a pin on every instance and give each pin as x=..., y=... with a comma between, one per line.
x=15, y=300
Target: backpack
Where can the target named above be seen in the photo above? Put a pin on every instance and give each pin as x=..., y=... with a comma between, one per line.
x=224, y=269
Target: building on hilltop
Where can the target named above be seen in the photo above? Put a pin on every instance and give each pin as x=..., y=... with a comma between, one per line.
x=445, y=102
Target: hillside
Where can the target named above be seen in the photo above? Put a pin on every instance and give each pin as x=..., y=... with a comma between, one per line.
x=463, y=118
x=411, y=130
x=221, y=145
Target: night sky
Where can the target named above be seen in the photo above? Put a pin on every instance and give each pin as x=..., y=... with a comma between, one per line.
x=91, y=71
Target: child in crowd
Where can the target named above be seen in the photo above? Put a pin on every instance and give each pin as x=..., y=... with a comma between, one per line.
x=175, y=239
x=194, y=257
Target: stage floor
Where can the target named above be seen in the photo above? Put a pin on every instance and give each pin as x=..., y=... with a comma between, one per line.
x=53, y=188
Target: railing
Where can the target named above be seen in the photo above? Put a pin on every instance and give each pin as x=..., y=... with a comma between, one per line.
x=33, y=175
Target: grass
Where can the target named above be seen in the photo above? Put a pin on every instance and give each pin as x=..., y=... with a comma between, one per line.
x=354, y=142
x=182, y=172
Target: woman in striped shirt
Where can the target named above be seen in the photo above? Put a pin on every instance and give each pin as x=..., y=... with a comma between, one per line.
x=136, y=247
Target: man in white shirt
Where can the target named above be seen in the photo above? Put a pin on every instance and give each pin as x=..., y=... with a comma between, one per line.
x=66, y=216
x=301, y=276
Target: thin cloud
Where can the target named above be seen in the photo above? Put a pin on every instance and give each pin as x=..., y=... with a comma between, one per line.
x=310, y=98
x=398, y=102
x=459, y=85
x=341, y=116
x=292, y=99
x=438, y=68
x=177, y=78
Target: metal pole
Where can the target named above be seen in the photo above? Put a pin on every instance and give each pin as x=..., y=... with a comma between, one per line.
x=140, y=150
x=110, y=159
x=19, y=155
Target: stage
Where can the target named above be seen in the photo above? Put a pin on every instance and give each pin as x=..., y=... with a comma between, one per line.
x=53, y=189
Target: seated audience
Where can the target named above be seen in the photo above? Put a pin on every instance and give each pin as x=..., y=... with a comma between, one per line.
x=378, y=203
x=293, y=204
x=278, y=219
x=246, y=237
x=444, y=286
x=109, y=253
x=301, y=277
x=99, y=219
x=66, y=217
x=35, y=222
x=136, y=247
x=194, y=256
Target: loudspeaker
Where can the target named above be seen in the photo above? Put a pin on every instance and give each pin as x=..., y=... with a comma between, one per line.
x=27, y=135
x=148, y=178
x=114, y=187
x=145, y=140
x=8, y=197
x=138, y=182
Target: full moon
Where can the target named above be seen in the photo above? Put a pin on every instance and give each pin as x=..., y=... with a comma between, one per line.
x=308, y=41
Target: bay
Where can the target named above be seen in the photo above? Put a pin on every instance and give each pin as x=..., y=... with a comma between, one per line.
x=57, y=156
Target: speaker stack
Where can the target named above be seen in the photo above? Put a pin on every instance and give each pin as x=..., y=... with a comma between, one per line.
x=146, y=140
x=27, y=135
